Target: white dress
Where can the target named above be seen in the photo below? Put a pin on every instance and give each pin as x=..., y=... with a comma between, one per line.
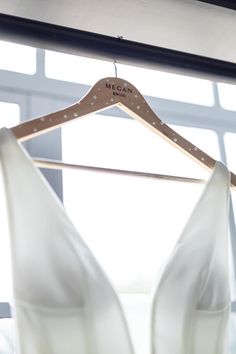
x=64, y=304
x=191, y=302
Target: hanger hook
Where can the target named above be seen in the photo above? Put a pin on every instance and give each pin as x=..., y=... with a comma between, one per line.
x=114, y=62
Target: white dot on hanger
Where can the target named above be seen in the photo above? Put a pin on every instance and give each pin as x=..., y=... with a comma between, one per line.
x=175, y=140
x=106, y=103
x=108, y=80
x=125, y=84
x=138, y=107
x=189, y=149
x=154, y=123
x=75, y=114
x=65, y=116
x=202, y=159
x=162, y=123
x=91, y=103
x=112, y=100
x=135, y=96
x=42, y=119
x=35, y=129
x=147, y=111
x=94, y=97
x=195, y=149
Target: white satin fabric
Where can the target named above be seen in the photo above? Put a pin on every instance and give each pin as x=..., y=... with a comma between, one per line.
x=65, y=304
x=191, y=303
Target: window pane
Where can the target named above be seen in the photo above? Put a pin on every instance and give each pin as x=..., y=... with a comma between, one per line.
x=149, y=82
x=17, y=57
x=74, y=68
x=129, y=215
x=168, y=85
x=227, y=96
x=9, y=114
x=204, y=139
x=127, y=144
x=125, y=218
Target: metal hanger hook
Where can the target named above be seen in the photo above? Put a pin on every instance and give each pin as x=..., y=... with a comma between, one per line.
x=114, y=62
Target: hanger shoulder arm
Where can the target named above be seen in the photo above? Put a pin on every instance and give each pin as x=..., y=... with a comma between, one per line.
x=95, y=100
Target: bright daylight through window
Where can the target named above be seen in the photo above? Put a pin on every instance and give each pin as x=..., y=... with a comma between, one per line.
x=26, y=58
x=153, y=83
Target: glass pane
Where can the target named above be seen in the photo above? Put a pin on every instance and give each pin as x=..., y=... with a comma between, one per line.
x=205, y=139
x=227, y=96
x=168, y=85
x=17, y=57
x=127, y=144
x=150, y=82
x=129, y=215
x=74, y=68
x=126, y=218
x=9, y=114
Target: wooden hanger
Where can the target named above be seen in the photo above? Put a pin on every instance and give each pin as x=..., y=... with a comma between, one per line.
x=110, y=92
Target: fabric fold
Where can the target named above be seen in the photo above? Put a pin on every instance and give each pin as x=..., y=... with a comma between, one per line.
x=63, y=301
x=191, y=301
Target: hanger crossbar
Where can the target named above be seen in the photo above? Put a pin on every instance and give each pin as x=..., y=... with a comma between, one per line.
x=58, y=165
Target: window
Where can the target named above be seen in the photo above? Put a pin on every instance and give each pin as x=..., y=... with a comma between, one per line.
x=74, y=68
x=151, y=82
x=17, y=57
x=9, y=114
x=125, y=220
x=230, y=147
x=204, y=139
x=168, y=85
x=129, y=214
x=227, y=96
